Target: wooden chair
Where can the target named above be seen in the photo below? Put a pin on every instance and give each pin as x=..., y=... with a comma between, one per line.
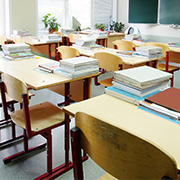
x=65, y=52
x=18, y=40
x=35, y=120
x=107, y=62
x=62, y=36
x=169, y=57
x=122, y=154
x=68, y=52
x=72, y=38
x=124, y=45
x=3, y=40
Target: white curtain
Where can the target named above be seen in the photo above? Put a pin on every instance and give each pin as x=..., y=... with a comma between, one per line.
x=2, y=18
x=102, y=11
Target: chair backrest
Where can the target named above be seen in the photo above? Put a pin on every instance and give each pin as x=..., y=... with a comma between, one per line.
x=3, y=40
x=164, y=47
x=174, y=56
x=14, y=87
x=59, y=33
x=108, y=61
x=124, y=45
x=18, y=40
x=121, y=153
x=68, y=52
x=72, y=38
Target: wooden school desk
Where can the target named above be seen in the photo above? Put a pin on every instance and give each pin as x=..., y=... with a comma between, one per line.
x=163, y=132
x=24, y=69
x=132, y=61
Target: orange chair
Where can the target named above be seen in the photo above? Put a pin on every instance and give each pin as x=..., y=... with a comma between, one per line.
x=3, y=40
x=107, y=62
x=72, y=38
x=124, y=45
x=35, y=120
x=122, y=154
x=170, y=60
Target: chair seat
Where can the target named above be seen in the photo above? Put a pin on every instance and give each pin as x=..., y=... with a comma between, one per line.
x=106, y=82
x=170, y=68
x=41, y=119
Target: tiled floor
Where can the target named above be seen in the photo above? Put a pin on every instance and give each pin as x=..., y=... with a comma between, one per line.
x=33, y=165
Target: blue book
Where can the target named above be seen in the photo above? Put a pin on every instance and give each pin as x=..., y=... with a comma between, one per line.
x=126, y=96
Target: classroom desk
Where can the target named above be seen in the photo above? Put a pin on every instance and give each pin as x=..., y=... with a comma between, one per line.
x=164, y=133
x=41, y=45
x=132, y=61
x=34, y=43
x=24, y=69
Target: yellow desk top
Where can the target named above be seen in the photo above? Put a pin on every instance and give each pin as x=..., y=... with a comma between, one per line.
x=126, y=60
x=27, y=70
x=162, y=132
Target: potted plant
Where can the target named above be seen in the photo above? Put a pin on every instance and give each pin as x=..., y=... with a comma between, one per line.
x=51, y=23
x=100, y=26
x=118, y=27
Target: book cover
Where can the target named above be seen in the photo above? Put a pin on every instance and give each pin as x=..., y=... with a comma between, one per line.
x=49, y=67
x=169, y=98
x=126, y=96
x=141, y=76
x=78, y=61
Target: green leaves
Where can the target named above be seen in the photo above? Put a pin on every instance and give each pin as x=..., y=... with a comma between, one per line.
x=51, y=22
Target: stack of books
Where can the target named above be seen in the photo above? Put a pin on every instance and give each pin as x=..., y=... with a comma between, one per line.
x=20, y=33
x=148, y=52
x=98, y=34
x=16, y=51
x=73, y=67
x=175, y=44
x=136, y=84
x=166, y=103
x=86, y=43
x=53, y=37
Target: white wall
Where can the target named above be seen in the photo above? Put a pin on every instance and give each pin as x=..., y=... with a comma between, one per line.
x=23, y=15
x=157, y=32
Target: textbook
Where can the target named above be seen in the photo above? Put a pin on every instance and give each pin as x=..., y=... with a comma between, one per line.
x=126, y=96
x=15, y=47
x=169, y=98
x=143, y=76
x=49, y=67
x=140, y=92
x=160, y=110
x=77, y=74
x=78, y=61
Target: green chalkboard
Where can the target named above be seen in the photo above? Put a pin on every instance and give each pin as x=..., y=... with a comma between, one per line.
x=169, y=12
x=143, y=11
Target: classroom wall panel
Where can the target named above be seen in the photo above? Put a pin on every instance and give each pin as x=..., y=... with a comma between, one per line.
x=23, y=15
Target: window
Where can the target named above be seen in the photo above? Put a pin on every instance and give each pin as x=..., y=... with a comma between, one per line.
x=87, y=13
x=102, y=11
x=55, y=8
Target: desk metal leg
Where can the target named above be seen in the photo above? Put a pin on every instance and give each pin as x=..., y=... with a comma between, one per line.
x=56, y=52
x=49, y=51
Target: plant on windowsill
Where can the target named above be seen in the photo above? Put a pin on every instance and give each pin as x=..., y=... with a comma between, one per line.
x=118, y=27
x=51, y=23
x=100, y=26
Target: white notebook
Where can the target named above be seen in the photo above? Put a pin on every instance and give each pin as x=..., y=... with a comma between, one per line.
x=141, y=76
x=78, y=61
